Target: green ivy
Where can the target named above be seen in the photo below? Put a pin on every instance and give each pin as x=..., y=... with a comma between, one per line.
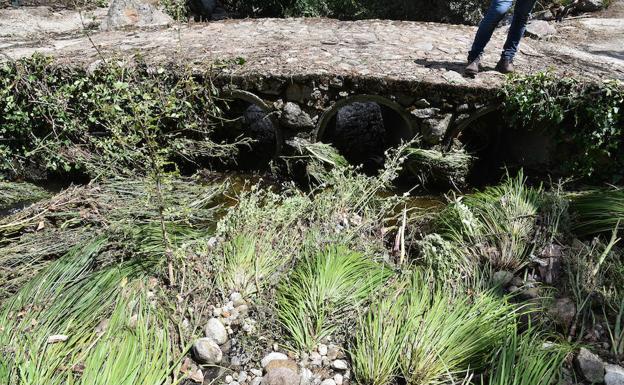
x=585, y=117
x=54, y=118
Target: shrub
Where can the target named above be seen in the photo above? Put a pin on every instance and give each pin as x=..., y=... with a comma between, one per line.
x=585, y=118
x=113, y=121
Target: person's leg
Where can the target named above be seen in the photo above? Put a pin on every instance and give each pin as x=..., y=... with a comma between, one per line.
x=518, y=26
x=495, y=13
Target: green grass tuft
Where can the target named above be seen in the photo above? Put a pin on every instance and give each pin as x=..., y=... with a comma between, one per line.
x=527, y=359
x=498, y=224
x=598, y=211
x=323, y=291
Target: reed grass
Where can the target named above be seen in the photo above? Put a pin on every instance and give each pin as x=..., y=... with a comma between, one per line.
x=527, y=359
x=597, y=211
x=12, y=193
x=323, y=292
x=427, y=334
x=498, y=224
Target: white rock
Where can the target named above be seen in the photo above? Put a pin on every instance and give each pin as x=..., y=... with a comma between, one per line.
x=305, y=376
x=614, y=375
x=216, y=331
x=216, y=312
x=315, y=359
x=256, y=381
x=234, y=383
x=340, y=365
x=256, y=372
x=228, y=379
x=338, y=379
x=322, y=349
x=206, y=351
x=329, y=381
x=242, y=376
x=57, y=338
x=272, y=357
x=237, y=299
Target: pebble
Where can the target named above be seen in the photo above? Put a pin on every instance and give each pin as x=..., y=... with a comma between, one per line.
x=228, y=379
x=256, y=381
x=306, y=376
x=57, y=338
x=315, y=359
x=242, y=376
x=215, y=330
x=272, y=357
x=614, y=375
x=340, y=365
x=322, y=349
x=338, y=379
x=237, y=299
x=332, y=352
x=206, y=351
x=329, y=381
x=234, y=383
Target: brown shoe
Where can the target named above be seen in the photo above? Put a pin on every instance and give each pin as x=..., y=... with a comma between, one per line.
x=505, y=66
x=472, y=69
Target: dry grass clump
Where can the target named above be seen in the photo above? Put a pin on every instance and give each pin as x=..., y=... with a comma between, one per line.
x=430, y=165
x=12, y=193
x=500, y=224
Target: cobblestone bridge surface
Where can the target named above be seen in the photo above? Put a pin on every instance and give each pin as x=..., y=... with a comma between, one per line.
x=321, y=65
x=408, y=51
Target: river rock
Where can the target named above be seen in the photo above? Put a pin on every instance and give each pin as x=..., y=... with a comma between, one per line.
x=272, y=357
x=322, y=349
x=294, y=118
x=502, y=278
x=564, y=311
x=329, y=381
x=206, y=351
x=590, y=5
x=135, y=13
x=217, y=331
x=338, y=379
x=340, y=365
x=614, y=375
x=281, y=372
x=306, y=377
x=434, y=130
x=539, y=29
x=333, y=352
x=590, y=366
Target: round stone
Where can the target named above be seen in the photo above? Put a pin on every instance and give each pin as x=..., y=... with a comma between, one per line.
x=272, y=357
x=216, y=330
x=206, y=351
x=340, y=365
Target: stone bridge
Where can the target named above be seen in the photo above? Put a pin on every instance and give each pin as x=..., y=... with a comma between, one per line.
x=306, y=70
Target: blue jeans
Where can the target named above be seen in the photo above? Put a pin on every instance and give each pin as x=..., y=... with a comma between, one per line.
x=497, y=10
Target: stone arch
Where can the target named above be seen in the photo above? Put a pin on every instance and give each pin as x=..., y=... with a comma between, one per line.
x=263, y=108
x=365, y=125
